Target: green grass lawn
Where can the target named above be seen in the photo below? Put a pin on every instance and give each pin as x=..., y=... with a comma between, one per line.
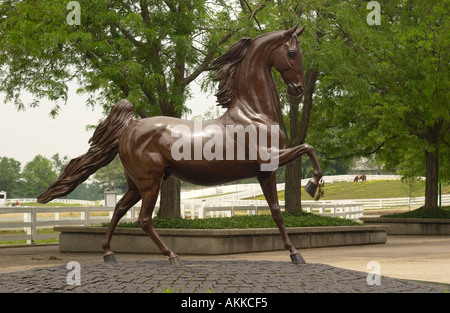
x=368, y=190
x=22, y=242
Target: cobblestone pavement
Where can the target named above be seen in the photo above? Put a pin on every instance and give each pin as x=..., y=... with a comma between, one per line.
x=158, y=276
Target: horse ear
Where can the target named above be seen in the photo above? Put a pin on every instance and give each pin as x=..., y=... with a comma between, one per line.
x=288, y=33
x=299, y=31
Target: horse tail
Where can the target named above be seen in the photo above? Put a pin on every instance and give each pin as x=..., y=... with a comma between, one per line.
x=104, y=148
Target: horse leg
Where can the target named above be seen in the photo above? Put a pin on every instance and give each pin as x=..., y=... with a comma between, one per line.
x=149, y=198
x=269, y=188
x=290, y=154
x=131, y=197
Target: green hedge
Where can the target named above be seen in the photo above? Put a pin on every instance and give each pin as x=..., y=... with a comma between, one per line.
x=440, y=213
x=298, y=219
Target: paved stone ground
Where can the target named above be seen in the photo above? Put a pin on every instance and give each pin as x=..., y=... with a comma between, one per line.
x=203, y=277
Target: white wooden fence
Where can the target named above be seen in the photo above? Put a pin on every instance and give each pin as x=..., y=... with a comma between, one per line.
x=195, y=209
x=398, y=202
x=242, y=191
x=66, y=201
x=32, y=218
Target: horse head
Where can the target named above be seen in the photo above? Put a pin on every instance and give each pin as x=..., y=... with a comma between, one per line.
x=287, y=60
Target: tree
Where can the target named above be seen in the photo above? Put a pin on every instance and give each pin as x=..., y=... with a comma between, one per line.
x=112, y=177
x=58, y=164
x=84, y=191
x=37, y=175
x=317, y=42
x=146, y=51
x=212, y=113
x=9, y=176
x=392, y=99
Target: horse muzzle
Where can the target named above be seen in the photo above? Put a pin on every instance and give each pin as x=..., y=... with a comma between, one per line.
x=295, y=90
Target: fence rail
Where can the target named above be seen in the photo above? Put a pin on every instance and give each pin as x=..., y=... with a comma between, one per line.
x=32, y=218
x=225, y=192
x=67, y=201
x=399, y=202
x=347, y=209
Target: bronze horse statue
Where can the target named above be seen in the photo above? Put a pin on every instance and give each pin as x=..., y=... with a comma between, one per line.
x=145, y=146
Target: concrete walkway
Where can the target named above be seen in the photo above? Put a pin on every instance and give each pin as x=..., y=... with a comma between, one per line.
x=406, y=264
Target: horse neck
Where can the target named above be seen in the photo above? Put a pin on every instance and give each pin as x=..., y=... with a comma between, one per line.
x=256, y=97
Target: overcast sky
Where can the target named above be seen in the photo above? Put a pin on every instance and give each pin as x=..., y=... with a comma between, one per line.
x=25, y=134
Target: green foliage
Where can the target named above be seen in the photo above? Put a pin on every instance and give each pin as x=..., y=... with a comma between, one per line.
x=37, y=175
x=438, y=212
x=145, y=51
x=9, y=176
x=112, y=176
x=384, y=88
x=297, y=219
x=59, y=164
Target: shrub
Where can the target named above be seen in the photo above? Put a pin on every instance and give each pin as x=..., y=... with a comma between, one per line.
x=297, y=219
x=438, y=212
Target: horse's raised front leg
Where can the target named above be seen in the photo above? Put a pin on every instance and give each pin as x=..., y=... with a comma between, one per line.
x=290, y=154
x=269, y=188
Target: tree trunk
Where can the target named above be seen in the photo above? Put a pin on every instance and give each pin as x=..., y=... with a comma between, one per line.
x=169, y=206
x=293, y=173
x=297, y=136
x=292, y=189
x=431, y=183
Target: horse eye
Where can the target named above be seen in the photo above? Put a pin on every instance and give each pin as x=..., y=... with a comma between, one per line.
x=291, y=54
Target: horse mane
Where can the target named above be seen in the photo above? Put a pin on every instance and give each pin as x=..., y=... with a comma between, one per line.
x=229, y=63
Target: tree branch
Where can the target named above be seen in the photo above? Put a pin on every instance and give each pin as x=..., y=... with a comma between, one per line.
x=144, y=11
x=363, y=152
x=207, y=60
x=210, y=54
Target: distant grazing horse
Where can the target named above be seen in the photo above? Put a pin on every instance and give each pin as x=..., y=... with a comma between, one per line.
x=146, y=146
x=359, y=178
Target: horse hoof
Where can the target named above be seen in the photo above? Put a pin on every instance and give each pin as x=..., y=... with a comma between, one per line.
x=110, y=259
x=311, y=189
x=297, y=259
x=175, y=261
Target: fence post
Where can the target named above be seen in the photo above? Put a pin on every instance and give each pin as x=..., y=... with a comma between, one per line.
x=87, y=216
x=133, y=213
x=31, y=230
x=201, y=211
x=83, y=217
x=26, y=219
